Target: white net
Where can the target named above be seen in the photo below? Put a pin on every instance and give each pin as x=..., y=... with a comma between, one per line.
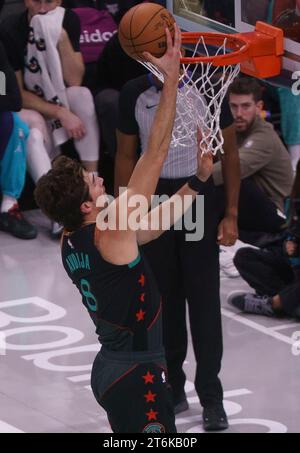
x=201, y=91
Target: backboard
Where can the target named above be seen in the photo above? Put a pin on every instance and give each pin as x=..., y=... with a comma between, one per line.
x=234, y=16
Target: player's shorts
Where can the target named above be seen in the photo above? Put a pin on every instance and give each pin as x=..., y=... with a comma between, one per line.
x=134, y=391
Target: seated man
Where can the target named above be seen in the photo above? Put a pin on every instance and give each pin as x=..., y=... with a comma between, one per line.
x=274, y=272
x=279, y=292
x=266, y=170
x=12, y=176
x=78, y=119
x=13, y=133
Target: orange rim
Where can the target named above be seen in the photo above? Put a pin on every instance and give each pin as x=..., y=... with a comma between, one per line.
x=239, y=48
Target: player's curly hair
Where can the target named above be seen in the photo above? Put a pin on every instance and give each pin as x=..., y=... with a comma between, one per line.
x=60, y=193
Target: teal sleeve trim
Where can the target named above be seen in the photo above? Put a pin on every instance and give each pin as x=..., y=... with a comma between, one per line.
x=135, y=262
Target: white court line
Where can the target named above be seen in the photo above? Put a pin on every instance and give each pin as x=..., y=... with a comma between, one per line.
x=287, y=326
x=239, y=392
x=254, y=325
x=6, y=428
x=80, y=378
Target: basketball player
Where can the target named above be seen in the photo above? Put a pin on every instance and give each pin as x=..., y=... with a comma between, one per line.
x=129, y=376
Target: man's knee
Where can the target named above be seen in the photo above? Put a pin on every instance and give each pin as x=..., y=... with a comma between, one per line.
x=33, y=119
x=36, y=134
x=82, y=98
x=243, y=256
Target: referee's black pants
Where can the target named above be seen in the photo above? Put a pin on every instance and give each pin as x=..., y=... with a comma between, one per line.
x=189, y=271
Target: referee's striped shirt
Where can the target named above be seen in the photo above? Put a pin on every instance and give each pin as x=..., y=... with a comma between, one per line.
x=138, y=103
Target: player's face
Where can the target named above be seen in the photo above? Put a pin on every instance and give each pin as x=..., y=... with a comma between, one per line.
x=96, y=186
x=40, y=6
x=244, y=110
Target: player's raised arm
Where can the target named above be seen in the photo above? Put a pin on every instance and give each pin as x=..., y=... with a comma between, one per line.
x=147, y=171
x=116, y=243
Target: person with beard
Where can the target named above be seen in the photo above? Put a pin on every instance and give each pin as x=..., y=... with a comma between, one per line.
x=266, y=170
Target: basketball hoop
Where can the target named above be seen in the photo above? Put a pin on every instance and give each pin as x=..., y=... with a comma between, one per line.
x=216, y=60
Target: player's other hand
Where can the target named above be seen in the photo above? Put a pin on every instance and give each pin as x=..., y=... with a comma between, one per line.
x=205, y=165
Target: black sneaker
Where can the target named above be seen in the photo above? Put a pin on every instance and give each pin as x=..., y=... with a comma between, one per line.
x=180, y=404
x=214, y=418
x=252, y=303
x=13, y=222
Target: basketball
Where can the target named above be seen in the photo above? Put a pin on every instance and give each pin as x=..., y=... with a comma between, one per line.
x=142, y=29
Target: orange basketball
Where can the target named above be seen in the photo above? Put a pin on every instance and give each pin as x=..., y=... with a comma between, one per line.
x=142, y=29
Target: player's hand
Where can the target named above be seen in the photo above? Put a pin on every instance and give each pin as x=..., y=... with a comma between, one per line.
x=73, y=125
x=205, y=165
x=205, y=160
x=169, y=63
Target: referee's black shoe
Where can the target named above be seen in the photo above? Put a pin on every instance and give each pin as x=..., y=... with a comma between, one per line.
x=214, y=418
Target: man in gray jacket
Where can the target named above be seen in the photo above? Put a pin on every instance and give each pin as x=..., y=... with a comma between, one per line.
x=266, y=171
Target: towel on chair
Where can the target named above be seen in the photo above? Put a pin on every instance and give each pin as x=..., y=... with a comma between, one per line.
x=43, y=70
